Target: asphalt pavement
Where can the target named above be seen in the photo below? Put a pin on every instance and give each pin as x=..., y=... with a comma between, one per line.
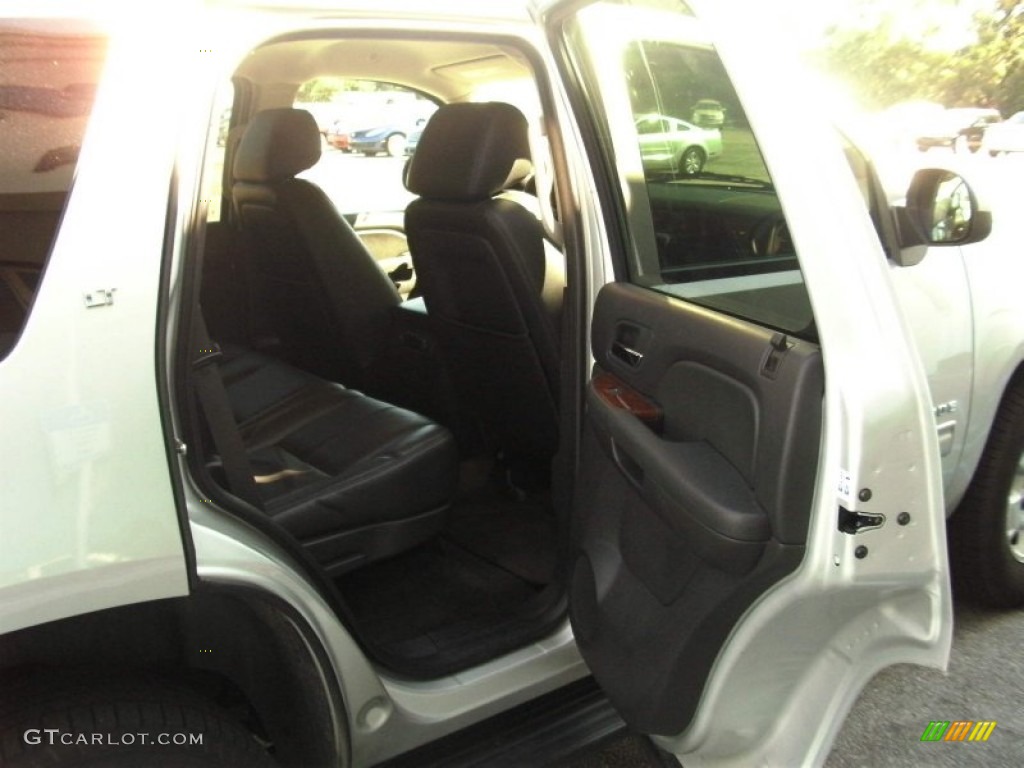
x=984, y=682
x=883, y=730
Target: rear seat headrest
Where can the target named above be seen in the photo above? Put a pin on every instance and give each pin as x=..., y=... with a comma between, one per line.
x=470, y=152
x=277, y=144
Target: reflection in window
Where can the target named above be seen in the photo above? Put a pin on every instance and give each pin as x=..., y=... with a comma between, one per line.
x=706, y=222
x=953, y=211
x=216, y=150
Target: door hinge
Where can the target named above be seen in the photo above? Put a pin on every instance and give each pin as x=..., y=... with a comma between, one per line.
x=855, y=522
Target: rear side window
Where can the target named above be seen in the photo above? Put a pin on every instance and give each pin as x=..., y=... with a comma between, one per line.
x=48, y=78
x=705, y=223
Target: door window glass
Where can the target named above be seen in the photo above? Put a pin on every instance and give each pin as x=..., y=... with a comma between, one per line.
x=706, y=224
x=218, y=138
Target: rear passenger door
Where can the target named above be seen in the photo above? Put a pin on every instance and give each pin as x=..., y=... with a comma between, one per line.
x=758, y=525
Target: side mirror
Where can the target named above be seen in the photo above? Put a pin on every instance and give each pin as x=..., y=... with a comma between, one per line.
x=941, y=209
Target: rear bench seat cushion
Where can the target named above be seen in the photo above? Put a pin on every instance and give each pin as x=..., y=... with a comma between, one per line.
x=352, y=478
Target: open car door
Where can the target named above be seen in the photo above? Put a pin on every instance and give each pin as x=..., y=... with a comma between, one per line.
x=758, y=522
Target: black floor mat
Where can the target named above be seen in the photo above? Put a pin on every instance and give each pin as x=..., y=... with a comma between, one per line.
x=517, y=536
x=438, y=609
x=486, y=586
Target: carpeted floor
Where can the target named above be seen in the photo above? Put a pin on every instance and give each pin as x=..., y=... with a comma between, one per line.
x=479, y=589
x=516, y=536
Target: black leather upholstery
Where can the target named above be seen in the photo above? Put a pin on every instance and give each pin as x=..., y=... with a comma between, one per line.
x=470, y=152
x=277, y=144
x=481, y=264
x=315, y=288
x=352, y=478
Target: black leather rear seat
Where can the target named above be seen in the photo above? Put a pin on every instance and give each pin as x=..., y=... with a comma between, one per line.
x=352, y=478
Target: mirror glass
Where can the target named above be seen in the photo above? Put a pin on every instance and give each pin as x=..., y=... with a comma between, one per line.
x=951, y=211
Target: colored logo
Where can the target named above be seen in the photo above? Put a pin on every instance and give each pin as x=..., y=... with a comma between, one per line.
x=958, y=730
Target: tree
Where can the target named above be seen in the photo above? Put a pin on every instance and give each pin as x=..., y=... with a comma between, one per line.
x=883, y=65
x=326, y=89
x=991, y=72
x=882, y=71
x=319, y=90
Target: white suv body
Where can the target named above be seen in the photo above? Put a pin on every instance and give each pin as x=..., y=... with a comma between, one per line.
x=119, y=554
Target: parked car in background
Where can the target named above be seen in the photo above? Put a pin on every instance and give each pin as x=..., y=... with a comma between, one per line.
x=676, y=146
x=339, y=136
x=382, y=138
x=1007, y=136
x=412, y=140
x=951, y=125
x=708, y=113
x=390, y=138
x=972, y=137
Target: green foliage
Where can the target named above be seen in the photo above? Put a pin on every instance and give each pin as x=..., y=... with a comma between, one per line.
x=883, y=67
x=326, y=89
x=319, y=90
x=993, y=69
x=881, y=71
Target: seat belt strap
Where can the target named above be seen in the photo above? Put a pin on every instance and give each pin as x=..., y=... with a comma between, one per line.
x=213, y=400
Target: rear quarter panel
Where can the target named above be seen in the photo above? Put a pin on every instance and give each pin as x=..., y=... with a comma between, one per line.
x=87, y=514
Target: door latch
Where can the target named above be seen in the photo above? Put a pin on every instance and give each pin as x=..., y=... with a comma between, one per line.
x=855, y=522
x=777, y=349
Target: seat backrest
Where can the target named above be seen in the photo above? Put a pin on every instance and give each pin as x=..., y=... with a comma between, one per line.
x=490, y=288
x=315, y=288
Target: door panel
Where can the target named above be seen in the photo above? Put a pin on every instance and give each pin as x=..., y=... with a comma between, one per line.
x=755, y=391
x=682, y=526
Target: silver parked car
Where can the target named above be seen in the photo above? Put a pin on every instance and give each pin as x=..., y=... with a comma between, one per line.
x=709, y=113
x=674, y=145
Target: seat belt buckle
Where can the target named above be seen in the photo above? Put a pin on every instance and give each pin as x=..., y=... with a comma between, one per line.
x=208, y=354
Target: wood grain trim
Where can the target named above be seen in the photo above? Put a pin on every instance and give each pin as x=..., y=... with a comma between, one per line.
x=618, y=394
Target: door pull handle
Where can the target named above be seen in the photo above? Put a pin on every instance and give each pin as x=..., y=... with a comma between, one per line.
x=628, y=355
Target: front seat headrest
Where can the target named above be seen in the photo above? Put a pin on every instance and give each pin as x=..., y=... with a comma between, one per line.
x=277, y=144
x=470, y=152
